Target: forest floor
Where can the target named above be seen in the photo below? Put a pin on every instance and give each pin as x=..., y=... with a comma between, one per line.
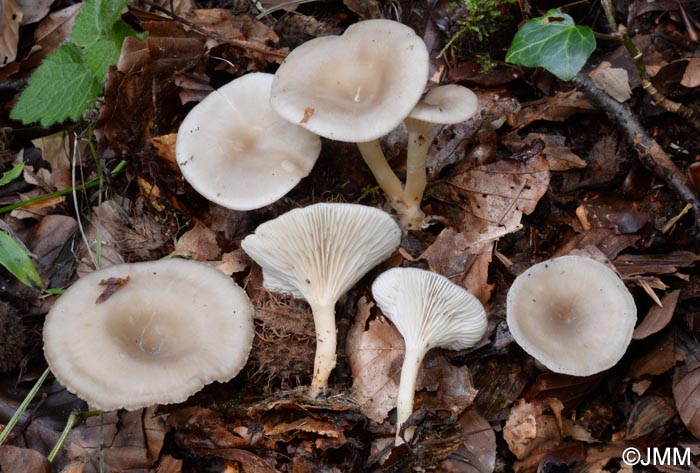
x=541, y=171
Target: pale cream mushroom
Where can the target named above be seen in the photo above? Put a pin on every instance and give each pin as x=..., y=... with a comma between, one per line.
x=572, y=314
x=237, y=152
x=318, y=253
x=133, y=335
x=429, y=311
x=356, y=88
x=444, y=105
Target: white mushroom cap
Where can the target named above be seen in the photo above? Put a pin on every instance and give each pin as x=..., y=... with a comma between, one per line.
x=572, y=314
x=236, y=151
x=429, y=311
x=447, y=104
x=173, y=327
x=318, y=253
x=356, y=87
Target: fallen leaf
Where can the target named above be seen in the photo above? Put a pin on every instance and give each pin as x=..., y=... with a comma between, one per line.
x=632, y=266
x=441, y=386
x=659, y=359
x=613, y=80
x=375, y=354
x=34, y=10
x=493, y=197
x=559, y=156
x=686, y=383
x=658, y=317
x=556, y=108
x=112, y=285
x=10, y=19
x=648, y=414
x=23, y=459
x=477, y=454
x=529, y=432
x=198, y=243
x=243, y=461
x=691, y=76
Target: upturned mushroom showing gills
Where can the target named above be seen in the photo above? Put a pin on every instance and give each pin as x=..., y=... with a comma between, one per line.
x=237, y=152
x=133, y=335
x=318, y=253
x=429, y=311
x=572, y=314
x=356, y=88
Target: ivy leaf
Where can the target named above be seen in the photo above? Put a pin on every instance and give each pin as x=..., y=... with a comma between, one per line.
x=554, y=42
x=62, y=87
x=16, y=261
x=12, y=174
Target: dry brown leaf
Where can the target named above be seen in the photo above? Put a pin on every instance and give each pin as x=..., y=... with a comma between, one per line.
x=558, y=155
x=613, y=80
x=10, y=19
x=34, y=10
x=557, y=108
x=686, y=383
x=243, y=461
x=494, y=197
x=165, y=148
x=57, y=149
x=691, y=76
x=449, y=255
x=233, y=262
x=647, y=415
x=441, y=386
x=375, y=354
x=633, y=266
x=658, y=317
x=199, y=244
x=529, y=432
x=477, y=454
x=658, y=360
x=22, y=459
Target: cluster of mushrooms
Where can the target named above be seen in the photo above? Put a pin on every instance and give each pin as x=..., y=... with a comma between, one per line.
x=169, y=327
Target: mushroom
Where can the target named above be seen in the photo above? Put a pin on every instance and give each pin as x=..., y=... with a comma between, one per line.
x=237, y=152
x=133, y=335
x=429, y=311
x=356, y=88
x=318, y=253
x=572, y=314
x=444, y=105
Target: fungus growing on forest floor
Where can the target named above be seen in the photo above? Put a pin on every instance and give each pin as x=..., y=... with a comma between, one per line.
x=356, y=88
x=237, y=152
x=318, y=253
x=133, y=335
x=429, y=311
x=572, y=314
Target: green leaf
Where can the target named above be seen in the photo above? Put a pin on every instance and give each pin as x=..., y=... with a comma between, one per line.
x=554, y=42
x=16, y=261
x=62, y=87
x=12, y=174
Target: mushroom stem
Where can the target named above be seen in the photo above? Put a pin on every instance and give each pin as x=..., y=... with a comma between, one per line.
x=386, y=178
x=407, y=388
x=419, y=138
x=324, y=322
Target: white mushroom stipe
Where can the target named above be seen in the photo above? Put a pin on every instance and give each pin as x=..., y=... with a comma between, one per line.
x=572, y=314
x=237, y=152
x=429, y=311
x=318, y=253
x=171, y=328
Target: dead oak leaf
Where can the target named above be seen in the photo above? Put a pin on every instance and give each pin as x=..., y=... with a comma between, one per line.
x=493, y=197
x=686, y=383
x=10, y=19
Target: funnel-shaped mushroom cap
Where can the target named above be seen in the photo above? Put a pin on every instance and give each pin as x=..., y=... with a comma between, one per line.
x=236, y=151
x=319, y=252
x=356, y=87
x=572, y=314
x=429, y=310
x=169, y=328
x=447, y=104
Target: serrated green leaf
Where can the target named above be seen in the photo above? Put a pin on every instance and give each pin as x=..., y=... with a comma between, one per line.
x=62, y=87
x=554, y=42
x=12, y=174
x=16, y=261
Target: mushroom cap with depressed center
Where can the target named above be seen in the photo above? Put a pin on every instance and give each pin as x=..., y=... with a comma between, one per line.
x=237, y=152
x=446, y=104
x=355, y=87
x=572, y=314
x=429, y=310
x=319, y=252
x=172, y=327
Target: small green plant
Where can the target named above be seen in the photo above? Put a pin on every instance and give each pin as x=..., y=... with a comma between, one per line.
x=554, y=42
x=70, y=79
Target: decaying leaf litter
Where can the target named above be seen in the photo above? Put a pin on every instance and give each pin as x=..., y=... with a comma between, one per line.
x=539, y=172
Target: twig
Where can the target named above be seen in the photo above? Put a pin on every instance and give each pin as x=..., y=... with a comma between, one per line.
x=652, y=156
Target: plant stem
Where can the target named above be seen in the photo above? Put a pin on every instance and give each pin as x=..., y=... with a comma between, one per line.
x=73, y=419
x=89, y=185
x=326, y=340
x=23, y=407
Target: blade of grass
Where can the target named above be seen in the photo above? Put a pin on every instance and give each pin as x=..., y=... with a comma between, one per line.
x=23, y=407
